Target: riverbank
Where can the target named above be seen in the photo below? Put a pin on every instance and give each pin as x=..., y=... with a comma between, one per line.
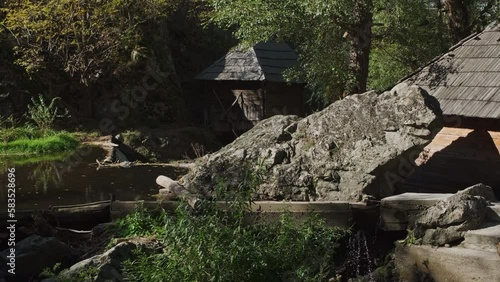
x=27, y=141
x=204, y=245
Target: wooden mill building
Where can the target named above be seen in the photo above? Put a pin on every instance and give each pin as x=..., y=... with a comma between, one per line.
x=466, y=82
x=247, y=85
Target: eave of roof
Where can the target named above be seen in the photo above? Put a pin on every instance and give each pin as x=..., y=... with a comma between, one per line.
x=466, y=80
x=265, y=61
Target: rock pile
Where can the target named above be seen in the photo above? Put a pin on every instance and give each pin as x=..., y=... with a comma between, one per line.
x=448, y=220
x=106, y=266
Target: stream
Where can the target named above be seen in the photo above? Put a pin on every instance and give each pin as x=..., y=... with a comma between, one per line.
x=74, y=178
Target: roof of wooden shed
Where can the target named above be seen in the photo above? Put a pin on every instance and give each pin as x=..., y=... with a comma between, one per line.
x=265, y=61
x=466, y=80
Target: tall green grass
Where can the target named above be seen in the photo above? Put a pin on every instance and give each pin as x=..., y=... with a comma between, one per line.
x=210, y=244
x=22, y=141
x=24, y=132
x=216, y=246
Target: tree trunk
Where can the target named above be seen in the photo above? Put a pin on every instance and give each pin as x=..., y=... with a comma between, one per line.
x=458, y=19
x=361, y=41
x=87, y=102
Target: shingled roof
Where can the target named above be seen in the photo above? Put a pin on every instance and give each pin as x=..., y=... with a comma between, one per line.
x=466, y=80
x=264, y=61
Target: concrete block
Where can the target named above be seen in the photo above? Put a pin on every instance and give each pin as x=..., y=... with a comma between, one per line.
x=426, y=263
x=396, y=211
x=494, y=212
x=485, y=239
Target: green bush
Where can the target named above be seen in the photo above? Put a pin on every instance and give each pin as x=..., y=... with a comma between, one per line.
x=218, y=246
x=211, y=244
x=44, y=114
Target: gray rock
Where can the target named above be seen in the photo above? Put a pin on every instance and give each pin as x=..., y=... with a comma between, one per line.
x=34, y=254
x=340, y=153
x=106, y=267
x=447, y=220
x=482, y=190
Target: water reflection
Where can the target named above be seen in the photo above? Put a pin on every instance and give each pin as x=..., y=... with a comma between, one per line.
x=72, y=178
x=45, y=174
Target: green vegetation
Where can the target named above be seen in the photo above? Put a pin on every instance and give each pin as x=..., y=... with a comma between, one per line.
x=45, y=144
x=44, y=114
x=79, y=50
x=411, y=35
x=135, y=139
x=85, y=50
x=218, y=246
x=410, y=239
x=211, y=244
x=88, y=275
x=27, y=132
x=336, y=39
x=18, y=139
x=47, y=35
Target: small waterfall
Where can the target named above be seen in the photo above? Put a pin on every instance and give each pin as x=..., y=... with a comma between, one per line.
x=359, y=261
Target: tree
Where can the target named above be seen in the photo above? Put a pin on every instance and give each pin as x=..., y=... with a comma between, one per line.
x=465, y=16
x=336, y=39
x=332, y=38
x=361, y=42
x=82, y=47
x=84, y=38
x=458, y=18
x=408, y=34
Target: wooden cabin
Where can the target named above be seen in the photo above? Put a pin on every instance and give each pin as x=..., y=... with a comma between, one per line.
x=247, y=85
x=466, y=82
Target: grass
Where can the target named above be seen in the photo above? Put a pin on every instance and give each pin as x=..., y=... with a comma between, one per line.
x=26, y=132
x=210, y=244
x=219, y=246
x=30, y=141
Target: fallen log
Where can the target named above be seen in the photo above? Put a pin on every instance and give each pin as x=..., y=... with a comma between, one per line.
x=173, y=190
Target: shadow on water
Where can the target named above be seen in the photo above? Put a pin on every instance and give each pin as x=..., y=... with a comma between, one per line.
x=72, y=178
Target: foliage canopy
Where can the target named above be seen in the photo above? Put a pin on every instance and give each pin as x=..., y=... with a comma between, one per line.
x=82, y=38
x=405, y=35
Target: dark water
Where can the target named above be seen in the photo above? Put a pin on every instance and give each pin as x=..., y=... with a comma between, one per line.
x=73, y=178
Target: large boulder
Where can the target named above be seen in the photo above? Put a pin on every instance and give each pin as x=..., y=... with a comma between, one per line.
x=360, y=145
x=33, y=255
x=448, y=220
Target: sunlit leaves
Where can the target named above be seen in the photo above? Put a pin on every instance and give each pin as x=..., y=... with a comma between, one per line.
x=82, y=38
x=408, y=34
x=314, y=27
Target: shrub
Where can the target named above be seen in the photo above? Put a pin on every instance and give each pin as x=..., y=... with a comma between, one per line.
x=44, y=114
x=217, y=245
x=210, y=244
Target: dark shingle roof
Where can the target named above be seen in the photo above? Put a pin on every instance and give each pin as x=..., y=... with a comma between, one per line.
x=466, y=80
x=264, y=61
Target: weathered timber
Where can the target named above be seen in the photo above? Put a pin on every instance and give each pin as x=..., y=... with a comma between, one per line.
x=335, y=213
x=73, y=215
x=173, y=190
